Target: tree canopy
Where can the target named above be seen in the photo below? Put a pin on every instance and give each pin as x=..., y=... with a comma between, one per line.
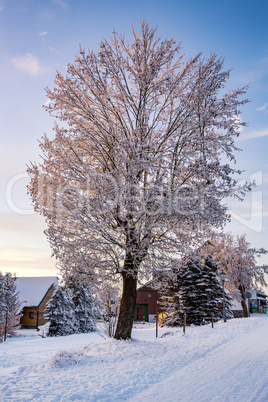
x=135, y=171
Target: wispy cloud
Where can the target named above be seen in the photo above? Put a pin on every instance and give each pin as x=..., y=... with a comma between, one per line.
x=1, y=5
x=263, y=108
x=61, y=3
x=254, y=134
x=43, y=33
x=28, y=63
x=52, y=49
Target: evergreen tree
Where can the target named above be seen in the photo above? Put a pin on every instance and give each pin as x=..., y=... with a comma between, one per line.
x=85, y=311
x=191, y=293
x=194, y=289
x=85, y=308
x=214, y=291
x=60, y=313
x=10, y=306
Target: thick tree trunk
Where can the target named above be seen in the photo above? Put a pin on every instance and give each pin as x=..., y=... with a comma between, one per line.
x=127, y=308
x=243, y=302
x=244, y=308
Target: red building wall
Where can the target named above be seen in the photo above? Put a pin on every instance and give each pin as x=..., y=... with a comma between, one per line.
x=148, y=296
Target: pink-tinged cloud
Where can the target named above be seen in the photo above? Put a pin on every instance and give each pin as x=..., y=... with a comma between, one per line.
x=28, y=64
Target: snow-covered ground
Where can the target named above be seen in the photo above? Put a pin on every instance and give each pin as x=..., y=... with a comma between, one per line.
x=226, y=363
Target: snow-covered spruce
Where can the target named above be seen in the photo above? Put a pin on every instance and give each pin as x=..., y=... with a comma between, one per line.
x=193, y=289
x=191, y=293
x=85, y=311
x=60, y=312
x=212, y=292
x=72, y=307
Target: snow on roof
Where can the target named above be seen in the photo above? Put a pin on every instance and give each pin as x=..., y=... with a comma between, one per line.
x=258, y=294
x=33, y=289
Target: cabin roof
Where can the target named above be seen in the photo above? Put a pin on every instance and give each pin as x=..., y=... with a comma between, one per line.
x=32, y=290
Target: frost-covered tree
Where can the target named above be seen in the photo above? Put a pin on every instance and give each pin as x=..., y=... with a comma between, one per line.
x=60, y=312
x=136, y=169
x=10, y=306
x=239, y=261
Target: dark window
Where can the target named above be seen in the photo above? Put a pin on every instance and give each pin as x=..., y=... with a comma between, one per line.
x=31, y=314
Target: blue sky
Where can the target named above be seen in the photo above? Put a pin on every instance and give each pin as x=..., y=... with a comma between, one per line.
x=38, y=37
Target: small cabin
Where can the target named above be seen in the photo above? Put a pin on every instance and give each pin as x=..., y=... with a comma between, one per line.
x=34, y=293
x=147, y=303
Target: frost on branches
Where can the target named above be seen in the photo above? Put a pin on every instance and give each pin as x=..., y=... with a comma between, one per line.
x=239, y=261
x=109, y=310
x=135, y=171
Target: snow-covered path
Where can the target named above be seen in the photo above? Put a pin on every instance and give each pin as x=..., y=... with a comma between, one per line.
x=237, y=370
x=227, y=363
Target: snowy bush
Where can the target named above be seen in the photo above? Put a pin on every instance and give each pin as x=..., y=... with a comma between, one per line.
x=43, y=330
x=66, y=359
x=109, y=311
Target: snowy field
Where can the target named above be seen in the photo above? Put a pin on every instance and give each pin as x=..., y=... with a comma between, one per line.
x=226, y=363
